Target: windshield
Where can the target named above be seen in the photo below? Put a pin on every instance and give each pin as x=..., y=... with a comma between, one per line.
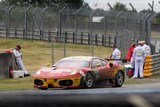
x=72, y=63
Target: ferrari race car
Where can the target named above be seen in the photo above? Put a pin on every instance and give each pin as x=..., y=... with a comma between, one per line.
x=79, y=71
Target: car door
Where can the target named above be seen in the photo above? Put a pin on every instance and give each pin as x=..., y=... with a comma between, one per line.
x=109, y=71
x=98, y=68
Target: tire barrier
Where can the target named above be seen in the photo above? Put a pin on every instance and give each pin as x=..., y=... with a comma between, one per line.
x=152, y=65
x=7, y=60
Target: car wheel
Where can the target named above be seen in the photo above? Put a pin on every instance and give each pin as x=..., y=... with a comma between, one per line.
x=119, y=79
x=89, y=81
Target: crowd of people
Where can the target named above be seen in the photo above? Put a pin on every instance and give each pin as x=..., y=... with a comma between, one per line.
x=136, y=55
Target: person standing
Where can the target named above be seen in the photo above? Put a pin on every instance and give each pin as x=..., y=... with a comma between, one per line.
x=129, y=56
x=18, y=56
x=116, y=54
x=147, y=49
x=138, y=58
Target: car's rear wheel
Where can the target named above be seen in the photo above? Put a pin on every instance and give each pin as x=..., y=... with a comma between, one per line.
x=89, y=81
x=119, y=79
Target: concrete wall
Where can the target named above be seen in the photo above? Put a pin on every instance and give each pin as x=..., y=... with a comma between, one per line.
x=6, y=60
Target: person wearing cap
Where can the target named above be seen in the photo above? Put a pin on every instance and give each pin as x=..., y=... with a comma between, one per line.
x=116, y=54
x=18, y=56
x=138, y=58
x=146, y=48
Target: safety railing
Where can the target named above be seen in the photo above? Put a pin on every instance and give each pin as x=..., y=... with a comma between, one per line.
x=152, y=65
x=80, y=38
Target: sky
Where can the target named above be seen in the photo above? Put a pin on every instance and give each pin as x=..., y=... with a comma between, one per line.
x=138, y=4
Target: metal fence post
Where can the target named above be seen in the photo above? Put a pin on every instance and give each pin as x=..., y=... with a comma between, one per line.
x=9, y=15
x=105, y=38
x=117, y=21
x=81, y=38
x=52, y=51
x=149, y=19
x=25, y=23
x=135, y=20
x=105, y=23
x=43, y=17
x=88, y=38
x=96, y=39
x=33, y=21
x=60, y=23
x=102, y=40
x=15, y=33
x=64, y=43
x=75, y=36
x=91, y=31
x=49, y=35
x=109, y=40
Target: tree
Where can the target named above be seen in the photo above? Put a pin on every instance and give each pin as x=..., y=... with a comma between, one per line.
x=157, y=19
x=60, y=3
x=119, y=6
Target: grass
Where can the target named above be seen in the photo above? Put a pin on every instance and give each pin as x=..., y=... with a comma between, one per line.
x=37, y=53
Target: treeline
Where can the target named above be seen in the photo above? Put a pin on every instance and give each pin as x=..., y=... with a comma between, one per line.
x=43, y=3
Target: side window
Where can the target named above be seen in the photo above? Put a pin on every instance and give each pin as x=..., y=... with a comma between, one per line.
x=96, y=62
x=103, y=62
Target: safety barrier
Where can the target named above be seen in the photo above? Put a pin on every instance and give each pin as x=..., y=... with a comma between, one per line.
x=152, y=65
x=6, y=60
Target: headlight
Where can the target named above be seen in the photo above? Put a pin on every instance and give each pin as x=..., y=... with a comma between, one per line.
x=38, y=72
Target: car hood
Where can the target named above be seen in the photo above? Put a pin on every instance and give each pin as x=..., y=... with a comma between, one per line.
x=56, y=72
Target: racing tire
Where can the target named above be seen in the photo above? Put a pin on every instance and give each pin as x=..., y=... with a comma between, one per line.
x=89, y=81
x=119, y=79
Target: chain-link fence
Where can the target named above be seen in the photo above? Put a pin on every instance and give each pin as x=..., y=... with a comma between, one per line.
x=76, y=25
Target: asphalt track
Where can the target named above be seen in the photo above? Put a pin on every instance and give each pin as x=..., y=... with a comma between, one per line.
x=138, y=95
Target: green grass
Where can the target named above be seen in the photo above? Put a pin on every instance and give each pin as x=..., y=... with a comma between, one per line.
x=16, y=84
x=37, y=53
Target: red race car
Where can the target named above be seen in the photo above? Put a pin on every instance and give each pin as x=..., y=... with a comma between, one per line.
x=79, y=71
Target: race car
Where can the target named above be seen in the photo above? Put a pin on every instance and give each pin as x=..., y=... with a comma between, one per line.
x=79, y=71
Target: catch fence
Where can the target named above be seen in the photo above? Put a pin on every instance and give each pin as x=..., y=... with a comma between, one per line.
x=81, y=25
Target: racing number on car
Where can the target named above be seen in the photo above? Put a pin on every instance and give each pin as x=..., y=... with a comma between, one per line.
x=96, y=72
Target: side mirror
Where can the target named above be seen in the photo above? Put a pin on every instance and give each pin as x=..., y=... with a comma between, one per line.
x=48, y=64
x=98, y=65
x=110, y=65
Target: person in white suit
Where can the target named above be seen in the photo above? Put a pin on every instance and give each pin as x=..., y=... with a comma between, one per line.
x=147, y=48
x=138, y=58
x=18, y=56
x=116, y=54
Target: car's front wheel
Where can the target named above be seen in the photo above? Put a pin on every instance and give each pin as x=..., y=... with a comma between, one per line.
x=89, y=80
x=119, y=79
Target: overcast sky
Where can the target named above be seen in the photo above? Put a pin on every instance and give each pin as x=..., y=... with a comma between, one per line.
x=138, y=4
